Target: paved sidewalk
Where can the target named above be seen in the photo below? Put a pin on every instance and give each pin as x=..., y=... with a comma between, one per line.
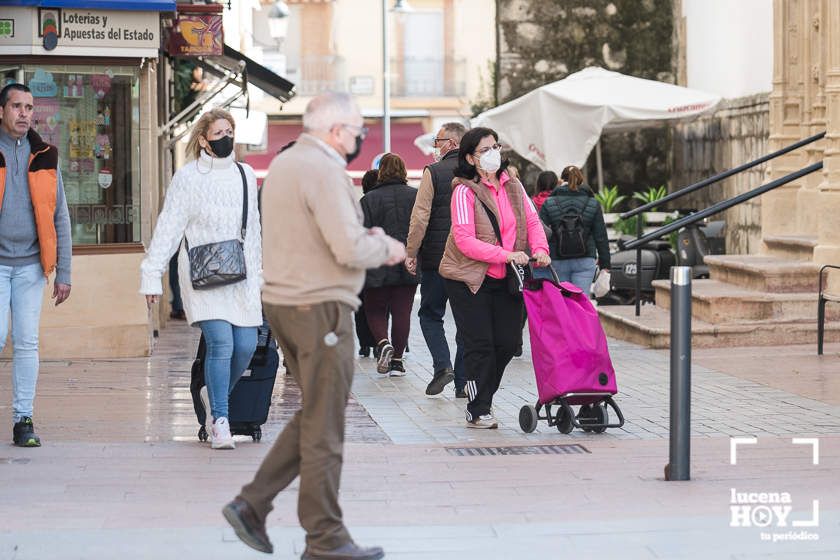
x=122, y=475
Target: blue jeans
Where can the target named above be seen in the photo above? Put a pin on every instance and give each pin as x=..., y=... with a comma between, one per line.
x=432, y=309
x=579, y=272
x=21, y=292
x=229, y=351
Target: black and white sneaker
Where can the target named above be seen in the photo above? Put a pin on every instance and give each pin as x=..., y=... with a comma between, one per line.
x=386, y=352
x=397, y=368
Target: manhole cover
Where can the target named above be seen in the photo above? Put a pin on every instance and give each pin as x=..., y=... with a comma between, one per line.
x=519, y=450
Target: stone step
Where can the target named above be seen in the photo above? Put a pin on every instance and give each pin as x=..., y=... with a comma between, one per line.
x=793, y=247
x=719, y=302
x=764, y=273
x=652, y=329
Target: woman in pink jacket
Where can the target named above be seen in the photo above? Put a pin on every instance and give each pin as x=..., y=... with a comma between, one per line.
x=475, y=264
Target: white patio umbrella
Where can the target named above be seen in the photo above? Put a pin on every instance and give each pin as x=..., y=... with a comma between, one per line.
x=558, y=124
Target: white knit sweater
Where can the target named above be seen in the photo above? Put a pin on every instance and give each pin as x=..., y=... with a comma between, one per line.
x=205, y=204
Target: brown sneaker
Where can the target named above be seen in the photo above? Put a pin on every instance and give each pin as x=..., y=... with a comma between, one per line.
x=349, y=551
x=247, y=526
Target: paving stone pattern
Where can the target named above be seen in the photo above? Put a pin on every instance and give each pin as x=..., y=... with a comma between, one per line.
x=721, y=404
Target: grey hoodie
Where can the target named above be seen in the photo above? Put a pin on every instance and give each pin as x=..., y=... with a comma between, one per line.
x=18, y=236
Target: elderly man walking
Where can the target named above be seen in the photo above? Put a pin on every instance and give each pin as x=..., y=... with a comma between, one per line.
x=34, y=242
x=429, y=229
x=315, y=253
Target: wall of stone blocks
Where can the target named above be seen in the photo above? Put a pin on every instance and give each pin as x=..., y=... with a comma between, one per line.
x=736, y=133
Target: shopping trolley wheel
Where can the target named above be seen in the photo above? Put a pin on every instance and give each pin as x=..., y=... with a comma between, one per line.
x=202, y=434
x=601, y=416
x=585, y=417
x=564, y=421
x=528, y=418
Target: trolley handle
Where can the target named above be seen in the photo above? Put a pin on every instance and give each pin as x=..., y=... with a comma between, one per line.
x=549, y=267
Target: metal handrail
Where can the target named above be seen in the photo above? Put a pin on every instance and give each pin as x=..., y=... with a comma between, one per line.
x=719, y=177
x=721, y=206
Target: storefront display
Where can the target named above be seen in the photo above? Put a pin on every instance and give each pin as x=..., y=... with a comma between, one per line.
x=90, y=114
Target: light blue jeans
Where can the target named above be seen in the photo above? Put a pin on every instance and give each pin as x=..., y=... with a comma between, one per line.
x=229, y=351
x=21, y=293
x=580, y=272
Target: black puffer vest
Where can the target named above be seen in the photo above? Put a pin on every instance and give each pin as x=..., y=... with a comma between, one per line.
x=388, y=205
x=440, y=218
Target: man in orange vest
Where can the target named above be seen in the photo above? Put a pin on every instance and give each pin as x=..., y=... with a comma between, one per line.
x=34, y=242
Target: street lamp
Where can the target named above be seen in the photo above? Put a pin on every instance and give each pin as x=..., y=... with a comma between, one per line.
x=399, y=6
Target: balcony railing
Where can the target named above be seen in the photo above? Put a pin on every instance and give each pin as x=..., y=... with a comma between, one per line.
x=428, y=77
x=318, y=73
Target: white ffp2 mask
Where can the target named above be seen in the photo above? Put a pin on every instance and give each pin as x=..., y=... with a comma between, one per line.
x=490, y=161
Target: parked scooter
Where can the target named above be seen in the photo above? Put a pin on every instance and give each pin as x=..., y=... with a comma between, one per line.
x=658, y=258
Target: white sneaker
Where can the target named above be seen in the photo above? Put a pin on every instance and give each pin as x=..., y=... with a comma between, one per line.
x=221, y=435
x=208, y=418
x=485, y=421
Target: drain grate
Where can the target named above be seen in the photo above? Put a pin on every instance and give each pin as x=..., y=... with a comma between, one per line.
x=570, y=449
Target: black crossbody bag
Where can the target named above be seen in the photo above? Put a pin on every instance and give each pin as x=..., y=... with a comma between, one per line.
x=223, y=262
x=515, y=274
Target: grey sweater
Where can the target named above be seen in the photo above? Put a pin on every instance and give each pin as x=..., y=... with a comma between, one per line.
x=18, y=236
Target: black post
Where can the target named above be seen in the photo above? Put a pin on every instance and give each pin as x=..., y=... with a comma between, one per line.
x=680, y=449
x=638, y=267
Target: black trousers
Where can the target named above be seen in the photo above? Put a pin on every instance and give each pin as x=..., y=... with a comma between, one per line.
x=489, y=327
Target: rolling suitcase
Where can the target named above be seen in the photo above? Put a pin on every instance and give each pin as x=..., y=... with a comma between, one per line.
x=250, y=399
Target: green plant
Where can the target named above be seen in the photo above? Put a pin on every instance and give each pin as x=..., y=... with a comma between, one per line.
x=609, y=198
x=651, y=195
x=672, y=237
x=628, y=226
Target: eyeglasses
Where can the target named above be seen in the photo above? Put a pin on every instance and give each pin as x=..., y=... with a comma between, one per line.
x=436, y=140
x=360, y=130
x=486, y=149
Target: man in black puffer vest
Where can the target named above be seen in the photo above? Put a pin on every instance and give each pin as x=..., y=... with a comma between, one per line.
x=430, y=225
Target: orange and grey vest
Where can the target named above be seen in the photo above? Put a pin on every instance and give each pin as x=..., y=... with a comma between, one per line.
x=43, y=189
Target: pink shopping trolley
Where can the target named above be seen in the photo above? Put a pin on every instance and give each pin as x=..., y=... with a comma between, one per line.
x=571, y=359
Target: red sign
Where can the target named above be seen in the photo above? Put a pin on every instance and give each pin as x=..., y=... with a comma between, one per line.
x=197, y=35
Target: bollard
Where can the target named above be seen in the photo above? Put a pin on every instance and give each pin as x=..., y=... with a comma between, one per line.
x=680, y=448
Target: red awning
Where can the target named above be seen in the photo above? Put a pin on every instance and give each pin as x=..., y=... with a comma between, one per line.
x=402, y=143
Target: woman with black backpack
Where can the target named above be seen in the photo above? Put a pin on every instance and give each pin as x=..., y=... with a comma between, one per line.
x=576, y=220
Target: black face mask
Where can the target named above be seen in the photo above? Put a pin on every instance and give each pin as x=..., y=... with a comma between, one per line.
x=222, y=147
x=352, y=155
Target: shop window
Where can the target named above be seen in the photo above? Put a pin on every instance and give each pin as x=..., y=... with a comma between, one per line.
x=91, y=113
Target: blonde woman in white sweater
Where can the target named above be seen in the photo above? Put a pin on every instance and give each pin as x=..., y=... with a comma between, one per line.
x=204, y=204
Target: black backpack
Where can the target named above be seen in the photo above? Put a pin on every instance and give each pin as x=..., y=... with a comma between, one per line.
x=570, y=235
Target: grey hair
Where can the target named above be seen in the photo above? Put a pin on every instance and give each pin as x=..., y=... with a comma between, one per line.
x=328, y=110
x=454, y=130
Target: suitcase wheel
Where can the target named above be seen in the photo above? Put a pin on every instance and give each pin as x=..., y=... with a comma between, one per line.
x=564, y=421
x=202, y=434
x=257, y=434
x=599, y=411
x=528, y=418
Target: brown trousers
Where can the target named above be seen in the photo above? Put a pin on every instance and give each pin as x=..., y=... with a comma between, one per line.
x=317, y=343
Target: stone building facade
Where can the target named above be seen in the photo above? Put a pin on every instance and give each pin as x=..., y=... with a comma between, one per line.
x=806, y=100
x=736, y=133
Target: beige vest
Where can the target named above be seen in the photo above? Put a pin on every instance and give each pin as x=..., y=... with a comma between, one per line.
x=455, y=265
